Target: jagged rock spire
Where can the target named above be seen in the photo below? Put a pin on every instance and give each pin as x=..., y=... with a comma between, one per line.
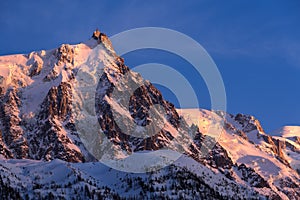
x=97, y=34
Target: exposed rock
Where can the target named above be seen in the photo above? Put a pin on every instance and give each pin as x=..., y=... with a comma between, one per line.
x=280, y=145
x=291, y=146
x=297, y=139
x=36, y=64
x=51, y=76
x=13, y=134
x=65, y=54
x=102, y=39
x=51, y=140
x=4, y=151
x=238, y=132
x=96, y=34
x=58, y=103
x=140, y=102
x=248, y=122
x=218, y=158
x=1, y=82
x=287, y=183
x=36, y=68
x=250, y=176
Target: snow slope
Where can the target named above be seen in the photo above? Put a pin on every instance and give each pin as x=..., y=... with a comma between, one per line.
x=287, y=132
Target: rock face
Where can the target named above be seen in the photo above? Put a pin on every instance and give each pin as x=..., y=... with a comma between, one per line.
x=3, y=148
x=51, y=140
x=250, y=176
x=12, y=133
x=65, y=54
x=37, y=122
x=48, y=132
x=102, y=38
x=140, y=102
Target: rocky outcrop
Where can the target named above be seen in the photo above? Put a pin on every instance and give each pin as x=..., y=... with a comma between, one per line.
x=288, y=184
x=251, y=126
x=248, y=123
x=234, y=130
x=4, y=151
x=102, y=38
x=1, y=82
x=13, y=133
x=56, y=136
x=58, y=103
x=65, y=54
x=250, y=176
x=279, y=146
x=35, y=64
x=36, y=68
x=297, y=140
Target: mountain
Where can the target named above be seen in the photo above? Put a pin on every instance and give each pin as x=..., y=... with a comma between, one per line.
x=63, y=110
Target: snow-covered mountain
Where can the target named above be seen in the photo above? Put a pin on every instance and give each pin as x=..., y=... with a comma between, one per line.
x=46, y=152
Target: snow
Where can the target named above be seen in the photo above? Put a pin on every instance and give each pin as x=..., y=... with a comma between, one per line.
x=208, y=122
x=57, y=174
x=287, y=131
x=34, y=89
x=15, y=69
x=243, y=151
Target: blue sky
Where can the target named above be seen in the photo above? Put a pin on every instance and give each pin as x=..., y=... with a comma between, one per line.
x=255, y=44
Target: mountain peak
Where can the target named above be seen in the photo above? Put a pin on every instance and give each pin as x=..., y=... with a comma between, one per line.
x=96, y=34
x=102, y=38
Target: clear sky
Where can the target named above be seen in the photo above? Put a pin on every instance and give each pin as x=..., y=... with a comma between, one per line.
x=255, y=44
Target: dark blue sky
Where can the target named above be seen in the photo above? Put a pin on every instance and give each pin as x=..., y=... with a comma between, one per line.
x=255, y=44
